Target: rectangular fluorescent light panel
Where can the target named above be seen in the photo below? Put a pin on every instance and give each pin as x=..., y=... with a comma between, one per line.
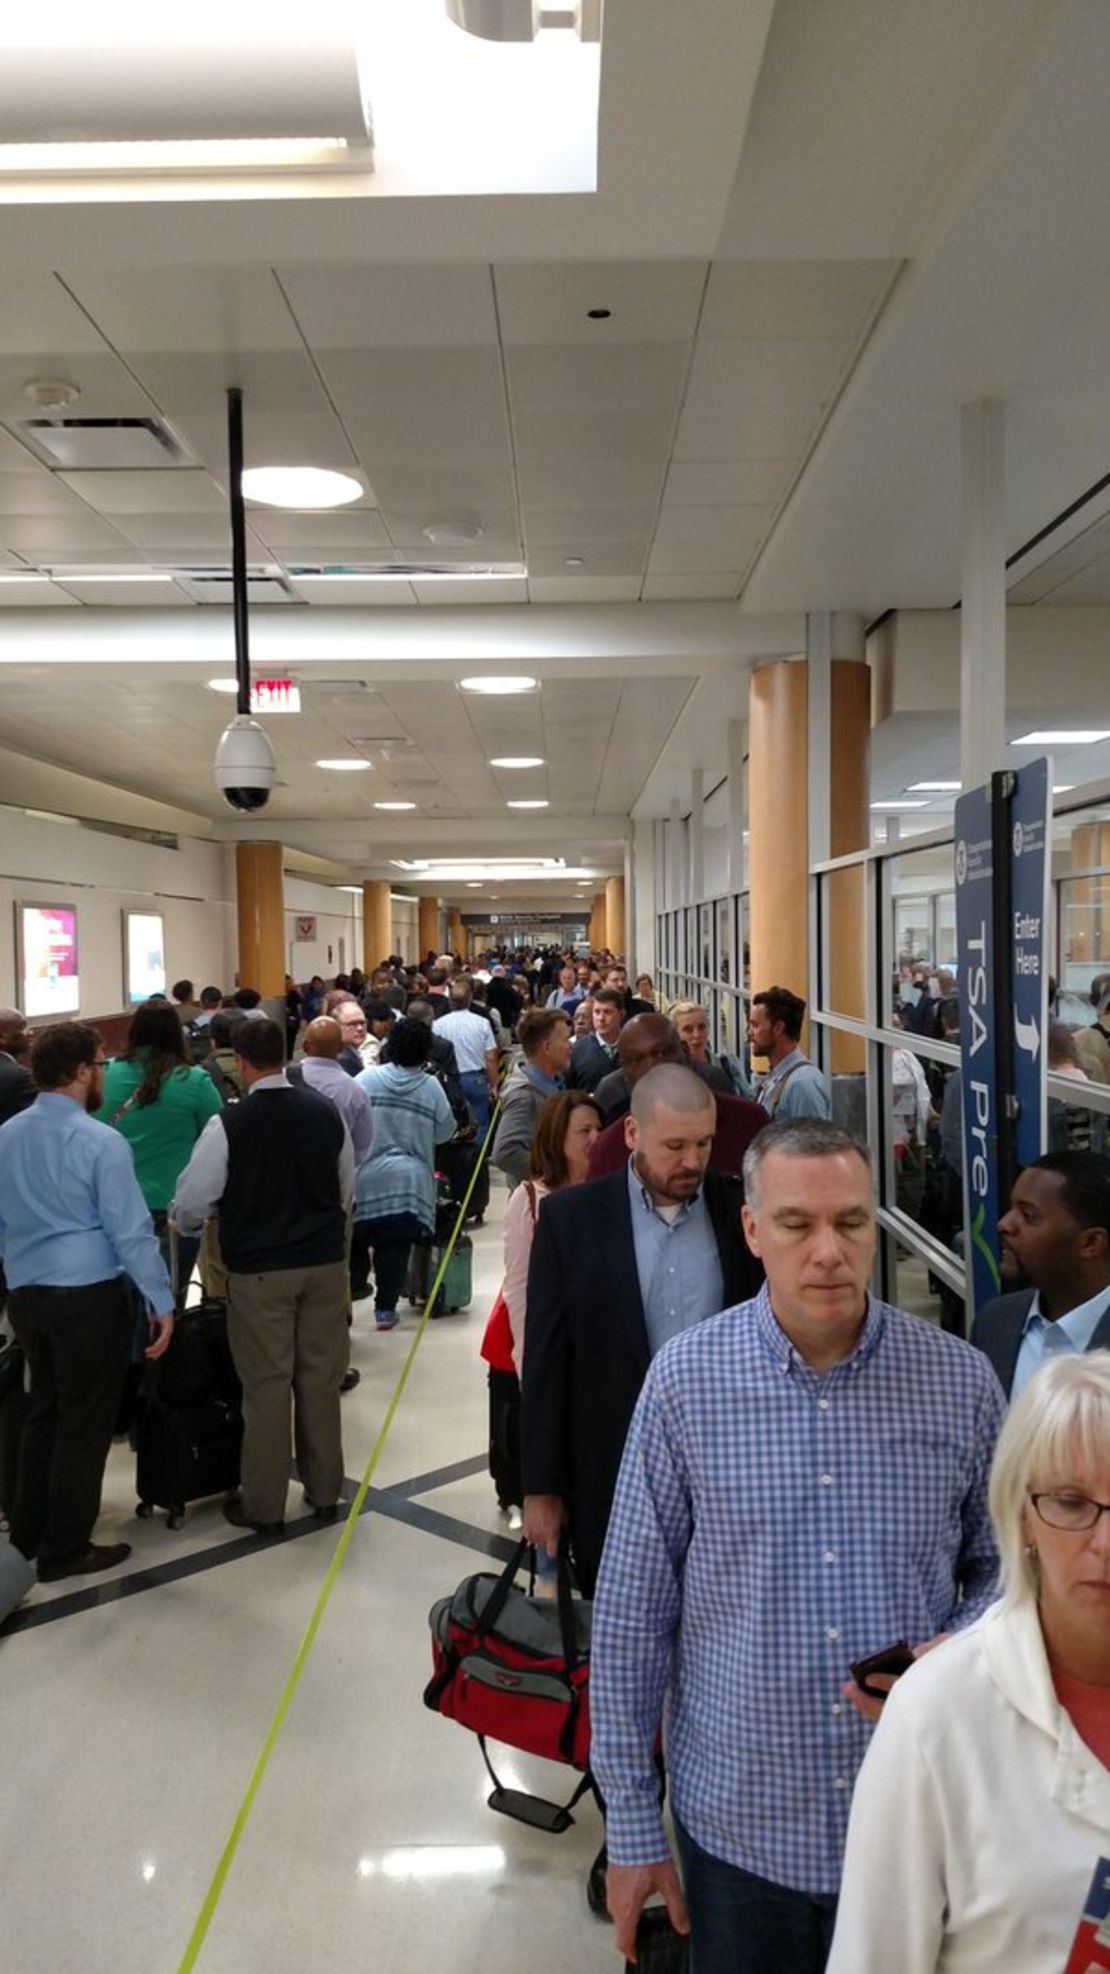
x=889, y=807
x=1063, y=737
x=934, y=787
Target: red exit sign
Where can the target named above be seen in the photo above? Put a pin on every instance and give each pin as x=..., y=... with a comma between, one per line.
x=275, y=696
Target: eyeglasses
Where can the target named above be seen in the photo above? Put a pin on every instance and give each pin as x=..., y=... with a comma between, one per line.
x=1074, y=1512
x=352, y=1024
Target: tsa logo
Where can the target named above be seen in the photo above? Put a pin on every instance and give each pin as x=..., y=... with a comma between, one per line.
x=961, y=861
x=1019, y=839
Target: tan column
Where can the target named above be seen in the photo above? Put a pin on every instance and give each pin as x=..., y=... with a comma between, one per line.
x=428, y=927
x=596, y=930
x=377, y=922
x=777, y=826
x=456, y=936
x=614, y=914
x=778, y=802
x=849, y=826
x=260, y=892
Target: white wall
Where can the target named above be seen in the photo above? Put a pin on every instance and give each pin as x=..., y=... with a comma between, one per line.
x=192, y=887
x=337, y=946
x=405, y=916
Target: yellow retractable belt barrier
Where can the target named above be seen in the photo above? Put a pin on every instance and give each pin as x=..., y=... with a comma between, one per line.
x=219, y=1879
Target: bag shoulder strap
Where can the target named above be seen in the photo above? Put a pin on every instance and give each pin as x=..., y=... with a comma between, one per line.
x=776, y=1094
x=530, y=1189
x=295, y=1074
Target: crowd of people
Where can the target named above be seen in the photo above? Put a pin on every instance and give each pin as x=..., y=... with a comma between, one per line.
x=763, y=1475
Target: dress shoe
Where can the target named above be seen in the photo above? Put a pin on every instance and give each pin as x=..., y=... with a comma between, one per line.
x=98, y=1556
x=236, y=1514
x=327, y=1514
x=349, y=1379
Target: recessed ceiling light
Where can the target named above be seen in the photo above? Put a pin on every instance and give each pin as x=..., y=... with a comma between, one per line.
x=1063, y=737
x=346, y=766
x=473, y=886
x=395, y=805
x=574, y=561
x=498, y=684
x=935, y=787
x=299, y=487
x=890, y=806
x=517, y=761
x=223, y=685
x=527, y=805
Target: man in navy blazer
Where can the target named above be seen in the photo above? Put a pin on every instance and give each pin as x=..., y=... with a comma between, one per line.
x=1055, y=1240
x=618, y=1266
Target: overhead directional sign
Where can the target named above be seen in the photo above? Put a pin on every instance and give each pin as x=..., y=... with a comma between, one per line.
x=978, y=1068
x=1029, y=881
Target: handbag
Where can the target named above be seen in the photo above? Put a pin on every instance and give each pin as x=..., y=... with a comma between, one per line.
x=515, y=1668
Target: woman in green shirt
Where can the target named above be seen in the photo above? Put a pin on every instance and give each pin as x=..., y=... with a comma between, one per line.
x=156, y=1099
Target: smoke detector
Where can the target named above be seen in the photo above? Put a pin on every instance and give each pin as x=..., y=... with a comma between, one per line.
x=51, y=393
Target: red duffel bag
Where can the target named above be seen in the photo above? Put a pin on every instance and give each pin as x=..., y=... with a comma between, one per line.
x=516, y=1669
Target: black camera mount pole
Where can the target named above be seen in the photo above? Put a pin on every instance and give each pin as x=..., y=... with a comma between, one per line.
x=238, y=549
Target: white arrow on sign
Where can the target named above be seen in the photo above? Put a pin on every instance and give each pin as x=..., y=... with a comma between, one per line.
x=1027, y=1035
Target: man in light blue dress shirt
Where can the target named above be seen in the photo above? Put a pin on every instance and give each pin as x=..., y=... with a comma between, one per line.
x=804, y=1482
x=73, y=1228
x=1056, y=1241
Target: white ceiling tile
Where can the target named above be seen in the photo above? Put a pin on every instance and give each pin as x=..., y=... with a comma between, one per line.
x=37, y=315
x=36, y=493
x=624, y=376
x=650, y=301
x=551, y=527
x=304, y=537
x=791, y=375
x=602, y=558
x=391, y=307
x=692, y=539
x=691, y=588
x=567, y=435
x=187, y=537
x=144, y=596
x=14, y=458
x=769, y=299
x=573, y=586
x=107, y=388
x=227, y=309
x=367, y=384
x=753, y=432
x=722, y=483
x=614, y=482
x=289, y=437
x=45, y=535
x=184, y=490
x=35, y=596
x=194, y=384
x=445, y=493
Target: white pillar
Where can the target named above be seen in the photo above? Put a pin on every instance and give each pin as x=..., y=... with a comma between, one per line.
x=819, y=653
x=737, y=802
x=697, y=835
x=640, y=914
x=676, y=861
x=983, y=593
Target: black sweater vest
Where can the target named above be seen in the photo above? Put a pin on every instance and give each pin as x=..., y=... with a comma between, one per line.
x=282, y=1206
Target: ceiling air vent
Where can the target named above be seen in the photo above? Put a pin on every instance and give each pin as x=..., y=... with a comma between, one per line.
x=102, y=442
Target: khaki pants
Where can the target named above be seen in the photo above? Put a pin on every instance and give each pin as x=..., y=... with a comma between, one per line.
x=288, y=1333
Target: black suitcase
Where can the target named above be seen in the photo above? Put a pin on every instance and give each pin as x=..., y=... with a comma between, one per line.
x=186, y=1452
x=189, y=1430
x=504, y=1437
x=14, y=1401
x=457, y=1162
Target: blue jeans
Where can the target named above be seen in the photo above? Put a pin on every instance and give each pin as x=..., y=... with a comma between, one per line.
x=475, y=1088
x=741, y=1924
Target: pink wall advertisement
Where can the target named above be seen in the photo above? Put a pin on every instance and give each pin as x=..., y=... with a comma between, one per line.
x=47, y=945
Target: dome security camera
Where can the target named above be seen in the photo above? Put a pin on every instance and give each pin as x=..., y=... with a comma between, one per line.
x=246, y=769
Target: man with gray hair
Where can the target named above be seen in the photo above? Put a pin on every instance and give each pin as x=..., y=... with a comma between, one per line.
x=618, y=1267
x=804, y=1482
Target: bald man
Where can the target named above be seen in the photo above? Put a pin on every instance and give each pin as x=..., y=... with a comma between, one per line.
x=645, y=1042
x=322, y=1071
x=617, y=1268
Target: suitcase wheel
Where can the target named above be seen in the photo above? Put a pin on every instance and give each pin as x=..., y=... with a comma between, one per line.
x=144, y=1511
x=176, y=1518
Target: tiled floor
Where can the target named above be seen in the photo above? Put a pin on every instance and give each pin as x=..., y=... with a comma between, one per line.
x=129, y=1731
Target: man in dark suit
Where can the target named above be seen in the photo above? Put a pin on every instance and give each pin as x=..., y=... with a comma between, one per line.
x=1056, y=1241
x=17, y=1089
x=618, y=1267
x=595, y=1055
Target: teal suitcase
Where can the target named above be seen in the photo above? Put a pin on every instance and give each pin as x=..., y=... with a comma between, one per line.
x=457, y=1288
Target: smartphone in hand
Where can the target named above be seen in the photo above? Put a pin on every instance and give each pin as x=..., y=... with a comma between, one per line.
x=892, y=1662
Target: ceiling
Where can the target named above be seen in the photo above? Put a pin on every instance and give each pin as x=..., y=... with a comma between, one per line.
x=816, y=234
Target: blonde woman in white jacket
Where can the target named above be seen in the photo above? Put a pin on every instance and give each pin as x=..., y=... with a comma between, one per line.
x=983, y=1807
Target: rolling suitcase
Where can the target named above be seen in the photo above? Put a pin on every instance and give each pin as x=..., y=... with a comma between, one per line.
x=456, y=1289
x=14, y=1401
x=189, y=1431
x=457, y=1162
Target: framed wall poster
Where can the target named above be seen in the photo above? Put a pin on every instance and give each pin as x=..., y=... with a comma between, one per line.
x=144, y=956
x=46, y=959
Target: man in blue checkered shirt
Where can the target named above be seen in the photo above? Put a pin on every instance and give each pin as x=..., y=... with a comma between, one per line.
x=805, y=1481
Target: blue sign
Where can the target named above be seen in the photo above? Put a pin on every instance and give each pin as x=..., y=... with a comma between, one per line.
x=1029, y=879
x=975, y=959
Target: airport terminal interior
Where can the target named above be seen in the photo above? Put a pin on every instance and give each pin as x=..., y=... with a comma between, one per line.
x=717, y=402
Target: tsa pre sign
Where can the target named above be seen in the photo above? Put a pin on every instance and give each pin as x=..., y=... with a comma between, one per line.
x=975, y=958
x=1028, y=919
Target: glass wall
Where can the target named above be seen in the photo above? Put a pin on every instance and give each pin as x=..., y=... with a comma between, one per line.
x=703, y=957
